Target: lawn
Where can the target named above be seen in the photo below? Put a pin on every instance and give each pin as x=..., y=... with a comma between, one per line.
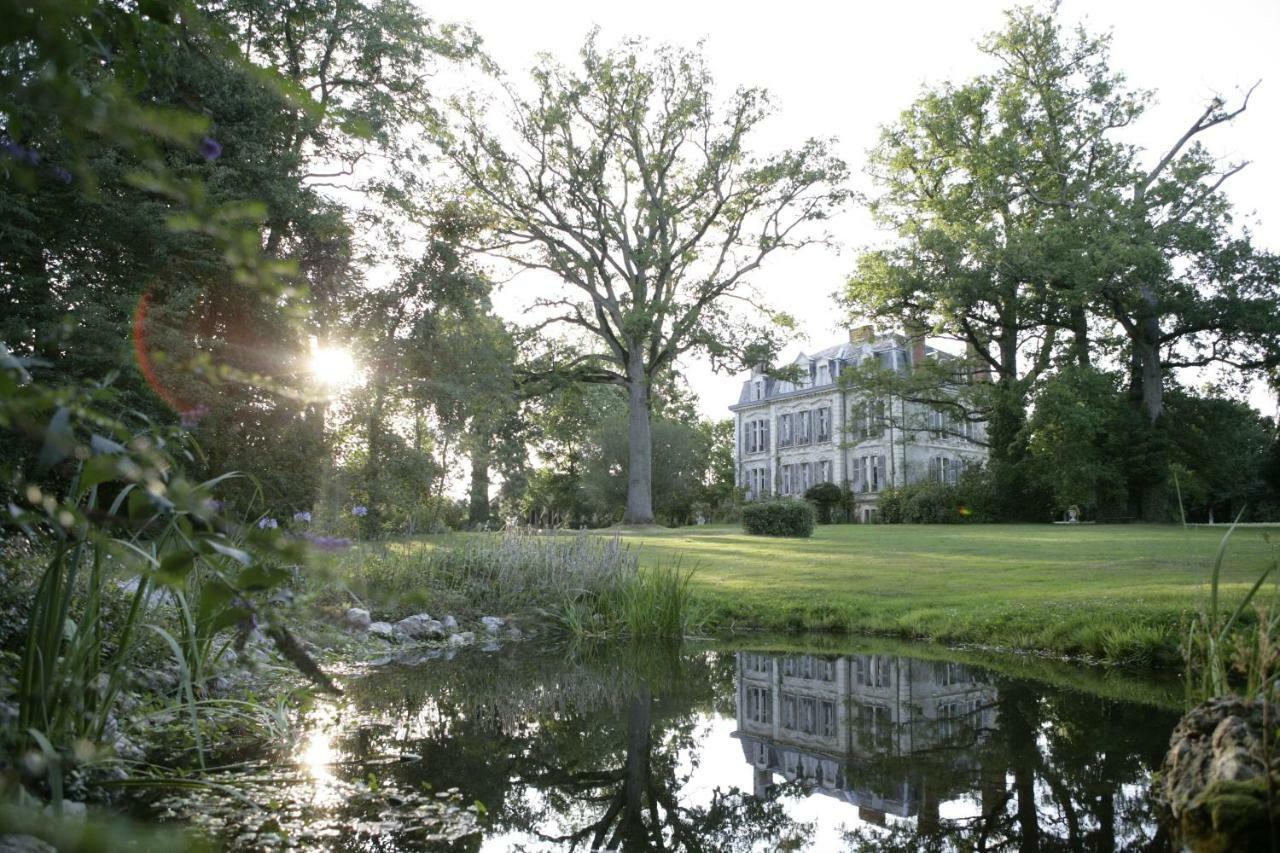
x=1121, y=593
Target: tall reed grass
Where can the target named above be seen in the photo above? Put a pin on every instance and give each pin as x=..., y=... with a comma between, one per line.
x=1228, y=652
x=587, y=585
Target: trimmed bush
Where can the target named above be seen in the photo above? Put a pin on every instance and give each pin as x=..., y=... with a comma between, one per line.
x=966, y=502
x=825, y=497
x=778, y=518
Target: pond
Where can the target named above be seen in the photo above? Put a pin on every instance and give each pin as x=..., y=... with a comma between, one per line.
x=535, y=747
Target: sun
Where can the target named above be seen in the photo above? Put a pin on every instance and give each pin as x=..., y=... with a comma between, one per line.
x=333, y=366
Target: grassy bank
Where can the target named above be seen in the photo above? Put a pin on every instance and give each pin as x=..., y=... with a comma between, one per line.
x=1121, y=593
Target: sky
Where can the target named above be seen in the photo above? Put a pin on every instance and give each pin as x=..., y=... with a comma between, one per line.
x=845, y=69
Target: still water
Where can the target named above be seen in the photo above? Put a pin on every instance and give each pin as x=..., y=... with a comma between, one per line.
x=533, y=748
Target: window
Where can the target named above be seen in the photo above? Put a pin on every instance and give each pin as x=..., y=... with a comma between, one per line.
x=785, y=438
x=827, y=719
x=804, y=427
x=871, y=419
x=806, y=477
x=824, y=424
x=824, y=471
x=757, y=390
x=756, y=436
x=759, y=705
x=937, y=423
x=824, y=375
x=871, y=671
x=869, y=473
x=943, y=469
x=875, y=726
x=790, y=711
x=786, y=479
x=757, y=482
x=947, y=674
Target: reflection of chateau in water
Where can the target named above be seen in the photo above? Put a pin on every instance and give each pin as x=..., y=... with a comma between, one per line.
x=888, y=734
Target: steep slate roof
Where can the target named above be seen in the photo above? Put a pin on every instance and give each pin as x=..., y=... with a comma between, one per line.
x=844, y=352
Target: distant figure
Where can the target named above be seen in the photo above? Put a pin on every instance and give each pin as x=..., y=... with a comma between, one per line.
x=1073, y=514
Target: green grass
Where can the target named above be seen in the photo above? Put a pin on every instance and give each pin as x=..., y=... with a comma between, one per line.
x=1119, y=593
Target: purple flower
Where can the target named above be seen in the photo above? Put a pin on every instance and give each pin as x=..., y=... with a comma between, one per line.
x=265, y=523
x=62, y=174
x=359, y=511
x=215, y=505
x=327, y=543
x=13, y=150
x=302, y=516
x=33, y=156
x=191, y=417
x=209, y=148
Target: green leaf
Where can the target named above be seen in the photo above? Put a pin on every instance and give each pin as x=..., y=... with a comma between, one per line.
x=174, y=568
x=139, y=505
x=99, y=469
x=59, y=440
x=258, y=577
x=215, y=546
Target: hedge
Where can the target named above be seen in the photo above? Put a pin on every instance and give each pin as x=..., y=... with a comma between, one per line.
x=778, y=518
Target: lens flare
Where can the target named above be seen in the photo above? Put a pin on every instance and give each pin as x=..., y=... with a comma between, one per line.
x=334, y=366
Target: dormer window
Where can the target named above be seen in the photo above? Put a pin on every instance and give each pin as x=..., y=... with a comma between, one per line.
x=757, y=390
x=824, y=375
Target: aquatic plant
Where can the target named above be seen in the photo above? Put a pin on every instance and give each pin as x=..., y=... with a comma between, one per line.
x=586, y=584
x=1229, y=653
x=112, y=507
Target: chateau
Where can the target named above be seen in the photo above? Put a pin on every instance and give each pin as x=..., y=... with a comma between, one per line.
x=794, y=434
x=890, y=735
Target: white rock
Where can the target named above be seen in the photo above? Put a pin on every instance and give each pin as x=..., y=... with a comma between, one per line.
x=492, y=624
x=450, y=624
x=24, y=844
x=385, y=630
x=358, y=619
x=463, y=639
x=71, y=810
x=420, y=627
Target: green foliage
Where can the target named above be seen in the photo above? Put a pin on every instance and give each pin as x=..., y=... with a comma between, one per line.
x=968, y=500
x=646, y=180
x=784, y=517
x=1225, y=653
x=588, y=585
x=1220, y=449
x=826, y=497
x=1112, y=592
x=1085, y=442
x=110, y=503
x=1031, y=230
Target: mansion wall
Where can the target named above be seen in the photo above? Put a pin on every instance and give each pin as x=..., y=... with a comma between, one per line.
x=792, y=435
x=853, y=727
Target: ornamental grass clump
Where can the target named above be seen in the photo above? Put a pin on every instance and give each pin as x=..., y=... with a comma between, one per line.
x=778, y=518
x=587, y=585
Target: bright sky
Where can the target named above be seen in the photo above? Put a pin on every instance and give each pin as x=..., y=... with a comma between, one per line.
x=844, y=69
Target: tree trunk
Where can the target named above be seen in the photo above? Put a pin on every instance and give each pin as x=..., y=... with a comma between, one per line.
x=1080, y=336
x=478, y=508
x=1149, y=374
x=636, y=775
x=640, y=466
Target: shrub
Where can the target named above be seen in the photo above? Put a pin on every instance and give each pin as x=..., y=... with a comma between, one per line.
x=825, y=497
x=778, y=518
x=969, y=500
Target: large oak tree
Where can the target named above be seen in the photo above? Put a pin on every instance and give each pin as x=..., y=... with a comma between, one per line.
x=626, y=180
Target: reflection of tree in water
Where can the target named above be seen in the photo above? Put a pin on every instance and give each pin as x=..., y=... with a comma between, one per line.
x=1062, y=771
x=591, y=752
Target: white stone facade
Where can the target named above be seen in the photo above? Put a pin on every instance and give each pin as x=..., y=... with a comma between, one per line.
x=792, y=435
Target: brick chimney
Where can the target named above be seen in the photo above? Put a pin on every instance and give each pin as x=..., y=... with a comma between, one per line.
x=981, y=370
x=862, y=334
x=916, y=332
